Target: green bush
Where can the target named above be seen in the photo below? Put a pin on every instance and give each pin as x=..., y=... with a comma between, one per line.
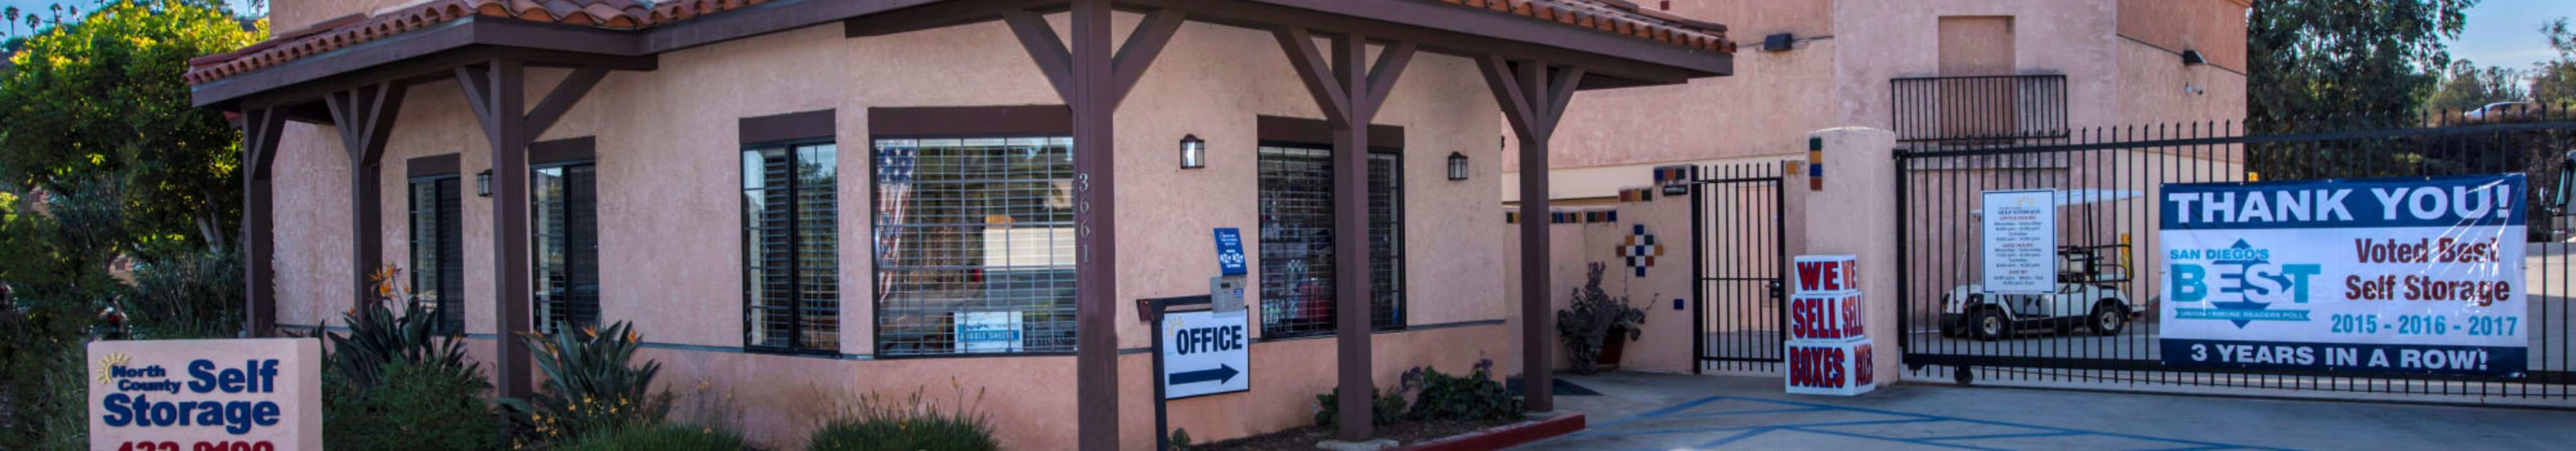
x=658, y=438
x=1387, y=408
x=590, y=389
x=378, y=337
x=417, y=407
x=910, y=424
x=1475, y=396
x=1593, y=319
x=189, y=294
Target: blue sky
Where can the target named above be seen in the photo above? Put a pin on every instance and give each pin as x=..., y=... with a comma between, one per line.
x=2503, y=32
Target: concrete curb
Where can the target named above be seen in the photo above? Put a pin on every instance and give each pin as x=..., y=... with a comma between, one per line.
x=1499, y=437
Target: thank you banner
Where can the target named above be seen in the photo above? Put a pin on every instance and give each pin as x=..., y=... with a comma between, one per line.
x=2418, y=275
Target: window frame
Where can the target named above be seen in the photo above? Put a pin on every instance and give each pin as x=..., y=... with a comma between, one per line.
x=795, y=265
x=1005, y=131
x=536, y=258
x=446, y=300
x=1401, y=265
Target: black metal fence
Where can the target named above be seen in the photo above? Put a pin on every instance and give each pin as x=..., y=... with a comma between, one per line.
x=1989, y=108
x=2108, y=179
x=1738, y=254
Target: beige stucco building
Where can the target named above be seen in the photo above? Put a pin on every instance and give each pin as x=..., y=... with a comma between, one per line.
x=797, y=202
x=2077, y=64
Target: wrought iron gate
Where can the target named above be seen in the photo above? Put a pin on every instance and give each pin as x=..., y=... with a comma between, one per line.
x=1737, y=255
x=2108, y=179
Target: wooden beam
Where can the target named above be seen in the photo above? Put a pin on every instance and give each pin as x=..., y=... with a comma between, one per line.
x=1533, y=97
x=496, y=91
x=1142, y=47
x=1047, y=50
x=365, y=118
x=260, y=131
x=1349, y=90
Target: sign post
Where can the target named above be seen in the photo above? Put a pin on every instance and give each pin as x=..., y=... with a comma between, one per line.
x=1198, y=351
x=2415, y=275
x=2020, y=251
x=246, y=394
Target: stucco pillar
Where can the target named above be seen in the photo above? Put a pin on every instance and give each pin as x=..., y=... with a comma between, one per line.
x=1852, y=215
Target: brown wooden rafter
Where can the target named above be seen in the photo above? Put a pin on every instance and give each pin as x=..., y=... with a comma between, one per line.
x=1533, y=97
x=1126, y=67
x=497, y=93
x=365, y=118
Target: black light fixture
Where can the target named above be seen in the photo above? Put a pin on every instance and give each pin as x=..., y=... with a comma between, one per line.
x=2193, y=58
x=1193, y=152
x=1457, y=166
x=483, y=183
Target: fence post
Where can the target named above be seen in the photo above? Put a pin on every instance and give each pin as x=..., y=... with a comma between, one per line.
x=1845, y=215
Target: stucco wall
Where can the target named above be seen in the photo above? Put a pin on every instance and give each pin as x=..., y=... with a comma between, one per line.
x=668, y=162
x=2073, y=38
x=1760, y=110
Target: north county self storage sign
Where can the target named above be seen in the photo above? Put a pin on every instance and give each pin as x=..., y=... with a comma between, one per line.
x=206, y=395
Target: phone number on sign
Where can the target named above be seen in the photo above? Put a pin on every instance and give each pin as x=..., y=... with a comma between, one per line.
x=200, y=446
x=2476, y=326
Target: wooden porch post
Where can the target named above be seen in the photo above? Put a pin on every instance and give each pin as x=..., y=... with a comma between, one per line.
x=496, y=91
x=260, y=130
x=365, y=118
x=1533, y=97
x=1093, y=80
x=1349, y=91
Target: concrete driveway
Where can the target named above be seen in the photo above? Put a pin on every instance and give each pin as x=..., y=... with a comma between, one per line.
x=1639, y=411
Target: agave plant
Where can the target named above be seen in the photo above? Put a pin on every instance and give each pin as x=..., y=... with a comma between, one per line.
x=378, y=336
x=590, y=389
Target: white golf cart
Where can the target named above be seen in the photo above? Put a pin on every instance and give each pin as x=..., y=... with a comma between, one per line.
x=2086, y=295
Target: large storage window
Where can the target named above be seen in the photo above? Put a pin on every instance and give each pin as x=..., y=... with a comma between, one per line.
x=791, y=285
x=565, y=222
x=974, y=246
x=1297, y=241
x=438, y=250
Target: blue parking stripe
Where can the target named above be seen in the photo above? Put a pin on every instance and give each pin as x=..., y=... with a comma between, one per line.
x=1892, y=439
x=1988, y=436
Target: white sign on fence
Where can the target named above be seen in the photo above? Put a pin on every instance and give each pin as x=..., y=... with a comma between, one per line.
x=1206, y=353
x=2419, y=275
x=249, y=394
x=2020, y=241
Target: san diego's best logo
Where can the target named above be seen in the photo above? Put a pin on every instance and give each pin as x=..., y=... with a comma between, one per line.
x=152, y=396
x=2240, y=284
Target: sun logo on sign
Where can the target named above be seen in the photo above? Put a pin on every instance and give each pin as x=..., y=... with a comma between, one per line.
x=107, y=366
x=1640, y=249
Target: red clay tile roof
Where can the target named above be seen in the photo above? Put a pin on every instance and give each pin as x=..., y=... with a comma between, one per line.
x=1612, y=16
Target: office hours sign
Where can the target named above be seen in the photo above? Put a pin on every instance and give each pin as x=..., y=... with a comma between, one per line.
x=1205, y=352
x=2020, y=247
x=2410, y=275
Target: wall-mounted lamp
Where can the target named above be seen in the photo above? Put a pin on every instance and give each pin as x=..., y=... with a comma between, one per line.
x=483, y=183
x=1193, y=152
x=1457, y=166
x=2193, y=58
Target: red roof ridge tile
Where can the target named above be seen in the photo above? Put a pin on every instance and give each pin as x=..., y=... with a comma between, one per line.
x=1610, y=16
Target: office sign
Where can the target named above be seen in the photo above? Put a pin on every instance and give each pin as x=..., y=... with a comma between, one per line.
x=250, y=394
x=2020, y=251
x=1205, y=353
x=2411, y=276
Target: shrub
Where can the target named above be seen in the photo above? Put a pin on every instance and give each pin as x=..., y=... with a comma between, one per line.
x=590, y=389
x=1387, y=408
x=659, y=437
x=418, y=406
x=1591, y=321
x=1475, y=396
x=192, y=294
x=910, y=424
x=378, y=337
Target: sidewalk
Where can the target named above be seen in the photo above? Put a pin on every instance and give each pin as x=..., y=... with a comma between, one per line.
x=1638, y=411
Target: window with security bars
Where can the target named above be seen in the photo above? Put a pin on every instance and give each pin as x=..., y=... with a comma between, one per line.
x=438, y=250
x=791, y=278
x=565, y=221
x=974, y=246
x=1297, y=241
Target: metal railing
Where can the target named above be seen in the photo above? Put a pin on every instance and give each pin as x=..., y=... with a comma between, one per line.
x=1983, y=108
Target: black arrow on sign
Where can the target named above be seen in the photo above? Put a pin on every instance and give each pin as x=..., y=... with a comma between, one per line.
x=1222, y=374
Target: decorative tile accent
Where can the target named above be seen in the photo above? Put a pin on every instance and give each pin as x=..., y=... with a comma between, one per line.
x=1640, y=249
x=1569, y=216
x=1637, y=194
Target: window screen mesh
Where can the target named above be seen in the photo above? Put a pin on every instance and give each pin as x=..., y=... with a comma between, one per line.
x=566, y=225
x=974, y=245
x=438, y=251
x=791, y=285
x=1297, y=242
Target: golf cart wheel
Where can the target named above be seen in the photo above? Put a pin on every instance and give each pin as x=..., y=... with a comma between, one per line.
x=1989, y=324
x=2109, y=318
x=1963, y=376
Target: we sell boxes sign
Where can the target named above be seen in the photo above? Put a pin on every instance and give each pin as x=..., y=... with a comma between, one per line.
x=2411, y=276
